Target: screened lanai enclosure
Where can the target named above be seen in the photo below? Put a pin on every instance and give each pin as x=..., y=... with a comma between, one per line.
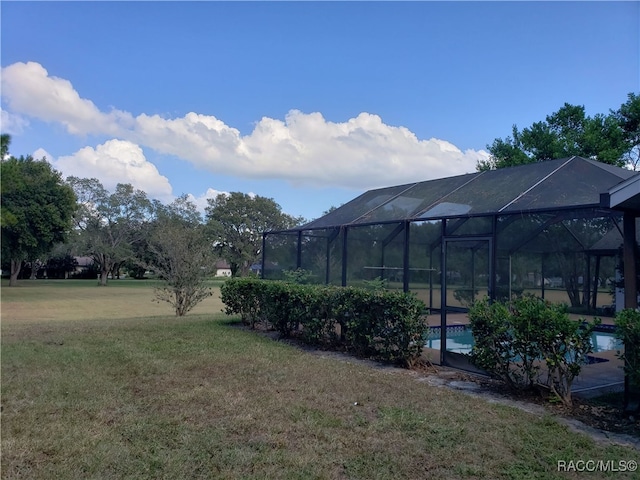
x=538, y=228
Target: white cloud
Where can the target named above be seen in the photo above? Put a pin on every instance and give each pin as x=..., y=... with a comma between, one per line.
x=362, y=152
x=12, y=123
x=113, y=162
x=29, y=90
x=42, y=153
x=201, y=201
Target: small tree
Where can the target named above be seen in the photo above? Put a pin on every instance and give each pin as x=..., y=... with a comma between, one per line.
x=182, y=258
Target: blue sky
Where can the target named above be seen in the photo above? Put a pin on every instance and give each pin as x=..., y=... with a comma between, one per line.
x=307, y=103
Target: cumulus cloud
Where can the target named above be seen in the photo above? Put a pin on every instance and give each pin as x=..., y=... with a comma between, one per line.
x=362, y=152
x=201, y=201
x=113, y=162
x=42, y=153
x=12, y=123
x=29, y=90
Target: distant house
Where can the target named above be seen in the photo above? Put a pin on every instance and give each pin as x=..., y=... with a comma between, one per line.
x=84, y=264
x=223, y=269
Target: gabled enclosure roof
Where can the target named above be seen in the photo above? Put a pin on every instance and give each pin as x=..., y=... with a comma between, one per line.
x=551, y=185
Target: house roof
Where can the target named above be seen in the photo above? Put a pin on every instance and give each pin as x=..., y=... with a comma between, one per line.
x=222, y=264
x=84, y=261
x=566, y=183
x=625, y=195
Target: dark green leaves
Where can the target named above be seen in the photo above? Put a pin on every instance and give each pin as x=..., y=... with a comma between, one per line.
x=380, y=324
x=613, y=139
x=37, y=207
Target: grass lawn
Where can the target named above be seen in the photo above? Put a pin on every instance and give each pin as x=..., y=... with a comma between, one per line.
x=100, y=382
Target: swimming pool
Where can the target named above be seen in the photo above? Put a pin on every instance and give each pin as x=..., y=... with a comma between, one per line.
x=460, y=340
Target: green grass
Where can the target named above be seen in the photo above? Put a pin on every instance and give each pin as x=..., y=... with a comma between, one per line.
x=35, y=301
x=153, y=396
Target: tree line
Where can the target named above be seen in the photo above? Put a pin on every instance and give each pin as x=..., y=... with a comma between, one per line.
x=46, y=217
x=43, y=216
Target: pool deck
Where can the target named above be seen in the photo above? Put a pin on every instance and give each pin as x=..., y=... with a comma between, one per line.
x=594, y=379
x=433, y=320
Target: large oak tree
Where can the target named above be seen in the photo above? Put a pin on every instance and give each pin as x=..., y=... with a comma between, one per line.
x=611, y=138
x=36, y=208
x=236, y=223
x=109, y=224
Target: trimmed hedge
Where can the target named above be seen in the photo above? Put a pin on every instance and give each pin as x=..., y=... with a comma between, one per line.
x=384, y=325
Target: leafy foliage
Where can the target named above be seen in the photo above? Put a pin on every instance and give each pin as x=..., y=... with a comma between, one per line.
x=516, y=341
x=299, y=275
x=60, y=266
x=109, y=224
x=628, y=330
x=5, y=141
x=36, y=208
x=181, y=256
x=628, y=116
x=569, y=131
x=236, y=223
x=380, y=324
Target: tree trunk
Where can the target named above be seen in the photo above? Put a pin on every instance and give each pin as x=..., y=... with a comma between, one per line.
x=235, y=268
x=104, y=274
x=105, y=263
x=16, y=265
x=115, y=270
x=568, y=264
x=34, y=270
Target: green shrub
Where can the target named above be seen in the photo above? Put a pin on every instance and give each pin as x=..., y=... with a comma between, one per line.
x=493, y=341
x=379, y=324
x=299, y=276
x=564, y=344
x=243, y=296
x=628, y=330
x=286, y=306
x=377, y=283
x=320, y=328
x=530, y=341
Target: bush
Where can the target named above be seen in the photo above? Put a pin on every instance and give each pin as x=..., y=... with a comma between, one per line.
x=493, y=348
x=384, y=325
x=514, y=341
x=628, y=330
x=320, y=326
x=243, y=296
x=299, y=275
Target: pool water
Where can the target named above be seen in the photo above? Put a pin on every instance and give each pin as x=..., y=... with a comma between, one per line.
x=460, y=340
